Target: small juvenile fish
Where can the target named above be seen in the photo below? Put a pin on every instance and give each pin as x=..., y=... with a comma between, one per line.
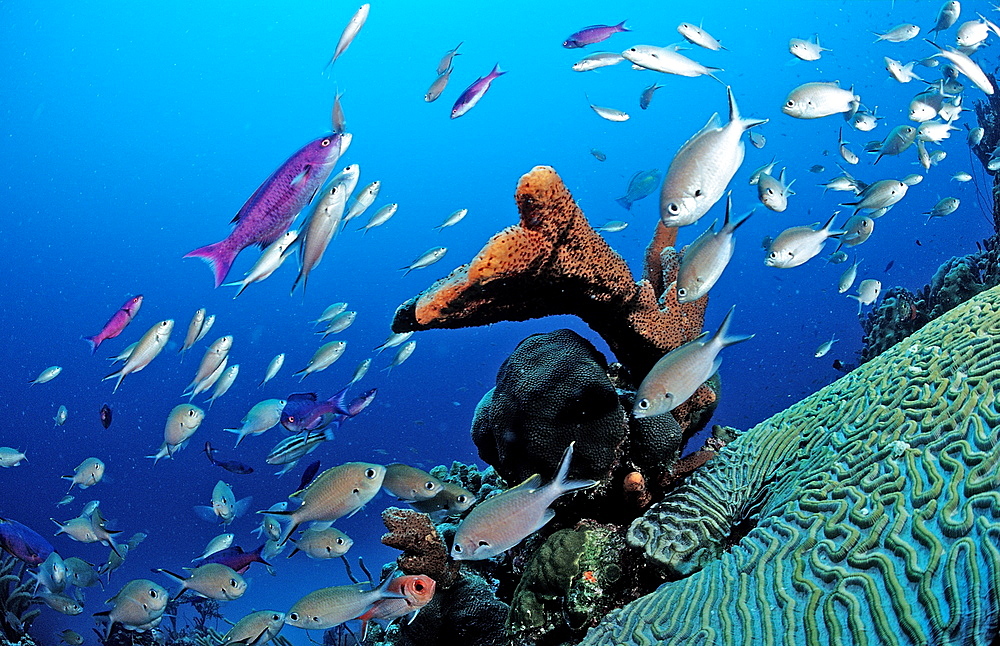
x=679, y=373
x=410, y=483
x=106, y=416
x=446, y=60
x=330, y=312
x=212, y=581
x=774, y=193
x=340, y=322
x=318, y=230
x=337, y=492
x=817, y=168
x=899, y=33
x=472, y=94
x=865, y=121
x=350, y=32
x=945, y=206
x=362, y=200
x=394, y=339
x=380, y=217
x=116, y=324
x=846, y=153
x=337, y=120
x=426, y=259
x=610, y=114
x=71, y=637
x=913, y=179
x=878, y=195
x=706, y=258
x=270, y=259
x=900, y=72
x=323, y=358
x=642, y=184
x=598, y=155
x=402, y=355
x=612, y=226
x=262, y=417
x=360, y=371
x=868, y=292
x=10, y=457
x=597, y=60
x=148, y=347
x=182, y=422
x=453, y=219
x=758, y=140
x=857, y=230
x=824, y=347
x=61, y=415
x=232, y=466
x=796, y=245
x=934, y=131
x=438, y=86
x=255, y=629
x=816, y=100
x=347, y=178
x=225, y=508
x=975, y=136
x=805, y=49
x=224, y=383
x=205, y=327
x=766, y=168
x=962, y=176
x=593, y=34
x=501, y=522
x=89, y=473
x=322, y=543
x=647, y=95
x=217, y=544
x=272, y=368
x=46, y=375
x=698, y=36
x=193, y=331
x=65, y=501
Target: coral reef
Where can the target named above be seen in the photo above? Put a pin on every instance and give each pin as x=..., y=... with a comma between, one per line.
x=479, y=483
x=572, y=581
x=553, y=262
x=866, y=513
x=16, y=613
x=424, y=551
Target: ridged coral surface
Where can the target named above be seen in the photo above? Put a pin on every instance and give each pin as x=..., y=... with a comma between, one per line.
x=874, y=510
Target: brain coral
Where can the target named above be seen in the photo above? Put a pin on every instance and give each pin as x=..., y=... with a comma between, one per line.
x=873, y=511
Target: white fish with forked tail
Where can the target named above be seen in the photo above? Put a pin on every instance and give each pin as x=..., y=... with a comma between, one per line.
x=868, y=292
x=816, y=100
x=706, y=258
x=805, y=49
x=667, y=60
x=267, y=263
x=796, y=245
x=703, y=167
x=698, y=36
x=679, y=373
x=504, y=520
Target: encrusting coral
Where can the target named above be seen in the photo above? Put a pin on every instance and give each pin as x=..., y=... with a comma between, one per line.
x=866, y=513
x=424, y=551
x=553, y=262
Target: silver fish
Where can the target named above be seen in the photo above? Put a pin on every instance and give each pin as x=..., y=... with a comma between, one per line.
x=878, y=195
x=328, y=607
x=966, y=66
x=410, y=483
x=857, y=230
x=766, y=168
x=205, y=327
x=446, y=60
x=182, y=422
x=846, y=153
x=61, y=415
x=796, y=245
x=350, y=32
x=348, y=178
x=898, y=140
x=703, y=167
x=211, y=360
x=318, y=230
x=224, y=383
x=438, y=86
x=679, y=373
x=900, y=72
x=975, y=136
x=504, y=520
x=255, y=629
x=865, y=121
x=758, y=140
x=453, y=219
x=394, y=339
x=934, y=131
x=668, y=61
x=426, y=259
x=262, y=417
x=219, y=543
x=360, y=202
x=947, y=15
x=824, y=347
x=323, y=358
x=402, y=355
x=773, y=193
x=698, y=36
x=194, y=330
x=899, y=33
x=642, y=185
x=270, y=259
x=361, y=371
x=612, y=226
x=212, y=581
x=868, y=292
x=706, y=258
x=946, y=206
x=380, y=217
x=340, y=322
x=847, y=278
x=610, y=114
x=272, y=368
x=962, y=176
x=597, y=60
x=816, y=100
x=89, y=473
x=805, y=49
x=320, y=542
x=330, y=312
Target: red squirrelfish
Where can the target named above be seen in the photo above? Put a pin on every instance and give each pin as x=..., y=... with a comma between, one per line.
x=269, y=212
x=474, y=92
x=116, y=323
x=417, y=591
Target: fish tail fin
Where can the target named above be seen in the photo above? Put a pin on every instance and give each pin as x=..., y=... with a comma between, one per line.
x=621, y=26
x=288, y=531
x=829, y=223
x=497, y=71
x=722, y=336
x=176, y=577
x=624, y=202
x=734, y=111
x=93, y=343
x=242, y=285
x=560, y=481
x=219, y=256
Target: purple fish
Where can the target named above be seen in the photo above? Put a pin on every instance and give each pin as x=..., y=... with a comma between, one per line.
x=23, y=542
x=593, y=34
x=116, y=323
x=474, y=92
x=308, y=475
x=303, y=413
x=269, y=212
x=235, y=558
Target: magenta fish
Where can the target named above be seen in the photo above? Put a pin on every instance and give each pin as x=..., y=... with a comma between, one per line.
x=116, y=323
x=304, y=413
x=593, y=34
x=23, y=543
x=269, y=212
x=474, y=92
x=235, y=558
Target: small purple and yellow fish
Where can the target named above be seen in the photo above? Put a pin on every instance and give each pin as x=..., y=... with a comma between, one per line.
x=116, y=324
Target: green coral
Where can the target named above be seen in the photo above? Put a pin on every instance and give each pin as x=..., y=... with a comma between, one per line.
x=568, y=584
x=868, y=513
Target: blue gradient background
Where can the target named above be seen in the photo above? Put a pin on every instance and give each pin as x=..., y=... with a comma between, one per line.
x=132, y=132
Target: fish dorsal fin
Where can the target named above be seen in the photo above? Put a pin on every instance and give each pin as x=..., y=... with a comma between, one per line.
x=532, y=482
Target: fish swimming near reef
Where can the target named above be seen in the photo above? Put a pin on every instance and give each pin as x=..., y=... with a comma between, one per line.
x=234, y=557
x=269, y=212
x=642, y=185
x=472, y=94
x=328, y=607
x=116, y=324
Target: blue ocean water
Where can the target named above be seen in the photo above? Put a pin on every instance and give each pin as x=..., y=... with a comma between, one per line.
x=132, y=132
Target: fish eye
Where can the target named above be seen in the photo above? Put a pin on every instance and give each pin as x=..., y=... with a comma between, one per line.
x=152, y=593
x=643, y=404
x=429, y=486
x=484, y=543
x=325, y=142
x=275, y=617
x=457, y=548
x=773, y=254
x=418, y=586
x=682, y=291
x=370, y=473
x=790, y=103
x=673, y=208
x=356, y=490
x=315, y=620
x=291, y=419
x=462, y=498
x=294, y=616
x=232, y=582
